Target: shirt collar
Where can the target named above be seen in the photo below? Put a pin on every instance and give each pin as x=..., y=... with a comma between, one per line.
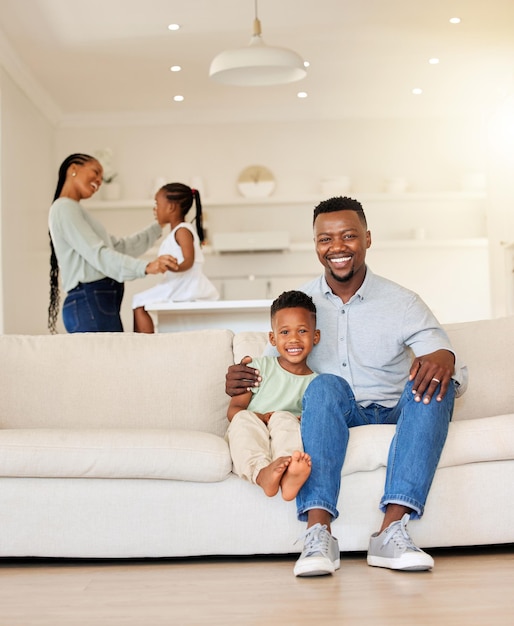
x=361, y=292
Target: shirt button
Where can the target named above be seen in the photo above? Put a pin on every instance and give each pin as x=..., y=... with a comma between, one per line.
x=343, y=311
x=344, y=364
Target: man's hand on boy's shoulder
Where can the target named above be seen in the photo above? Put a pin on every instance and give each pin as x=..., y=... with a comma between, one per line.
x=240, y=378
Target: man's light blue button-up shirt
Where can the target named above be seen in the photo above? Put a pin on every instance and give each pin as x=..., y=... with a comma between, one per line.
x=370, y=340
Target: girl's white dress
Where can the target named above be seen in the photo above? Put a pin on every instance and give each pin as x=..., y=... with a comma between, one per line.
x=179, y=286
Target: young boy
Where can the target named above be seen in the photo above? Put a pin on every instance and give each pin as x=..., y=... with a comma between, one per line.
x=264, y=431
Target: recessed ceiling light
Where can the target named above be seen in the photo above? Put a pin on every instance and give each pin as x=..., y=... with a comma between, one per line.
x=178, y=98
x=175, y=68
x=454, y=20
x=433, y=61
x=306, y=64
x=417, y=91
x=302, y=94
x=174, y=26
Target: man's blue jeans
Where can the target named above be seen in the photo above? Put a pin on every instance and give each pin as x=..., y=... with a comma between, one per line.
x=330, y=410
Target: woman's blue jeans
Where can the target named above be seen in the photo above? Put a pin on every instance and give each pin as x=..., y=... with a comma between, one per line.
x=330, y=410
x=94, y=307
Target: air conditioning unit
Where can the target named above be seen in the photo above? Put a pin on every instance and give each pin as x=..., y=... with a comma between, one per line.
x=251, y=241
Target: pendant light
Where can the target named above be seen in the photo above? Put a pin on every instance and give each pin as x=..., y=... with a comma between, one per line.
x=258, y=64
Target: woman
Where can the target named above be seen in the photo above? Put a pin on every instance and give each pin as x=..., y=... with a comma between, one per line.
x=93, y=264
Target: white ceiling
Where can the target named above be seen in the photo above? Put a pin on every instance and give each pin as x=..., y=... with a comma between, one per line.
x=110, y=59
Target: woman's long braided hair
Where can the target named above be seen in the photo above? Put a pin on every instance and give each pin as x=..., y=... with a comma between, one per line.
x=184, y=195
x=53, y=307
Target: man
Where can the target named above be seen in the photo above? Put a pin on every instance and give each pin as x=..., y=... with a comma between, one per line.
x=370, y=330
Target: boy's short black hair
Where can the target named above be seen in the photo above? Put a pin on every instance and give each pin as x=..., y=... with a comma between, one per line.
x=291, y=300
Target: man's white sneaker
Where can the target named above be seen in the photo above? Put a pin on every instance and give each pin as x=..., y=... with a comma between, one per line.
x=320, y=554
x=393, y=548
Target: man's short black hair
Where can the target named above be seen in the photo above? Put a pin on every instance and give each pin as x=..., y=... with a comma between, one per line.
x=341, y=203
x=291, y=300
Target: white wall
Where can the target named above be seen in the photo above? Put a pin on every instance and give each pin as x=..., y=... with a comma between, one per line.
x=500, y=153
x=1, y=215
x=431, y=154
x=27, y=170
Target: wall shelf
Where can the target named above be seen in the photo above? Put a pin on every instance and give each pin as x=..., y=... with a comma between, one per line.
x=136, y=204
x=308, y=246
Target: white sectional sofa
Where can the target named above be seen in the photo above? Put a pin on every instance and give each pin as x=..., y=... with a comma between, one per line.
x=111, y=445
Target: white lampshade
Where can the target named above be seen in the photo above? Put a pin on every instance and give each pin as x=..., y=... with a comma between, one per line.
x=258, y=64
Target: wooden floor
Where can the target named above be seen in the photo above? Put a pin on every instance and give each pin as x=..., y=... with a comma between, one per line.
x=466, y=588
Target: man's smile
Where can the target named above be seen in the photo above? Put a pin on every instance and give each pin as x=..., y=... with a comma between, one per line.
x=340, y=260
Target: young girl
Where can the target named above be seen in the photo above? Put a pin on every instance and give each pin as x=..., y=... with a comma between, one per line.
x=187, y=282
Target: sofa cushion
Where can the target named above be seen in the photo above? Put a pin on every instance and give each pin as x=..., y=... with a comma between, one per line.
x=114, y=453
x=116, y=380
x=468, y=441
x=486, y=347
x=203, y=457
x=249, y=343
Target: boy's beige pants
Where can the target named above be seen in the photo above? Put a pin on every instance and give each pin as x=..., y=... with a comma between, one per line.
x=254, y=445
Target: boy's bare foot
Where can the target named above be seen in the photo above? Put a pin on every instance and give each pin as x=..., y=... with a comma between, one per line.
x=270, y=476
x=297, y=473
